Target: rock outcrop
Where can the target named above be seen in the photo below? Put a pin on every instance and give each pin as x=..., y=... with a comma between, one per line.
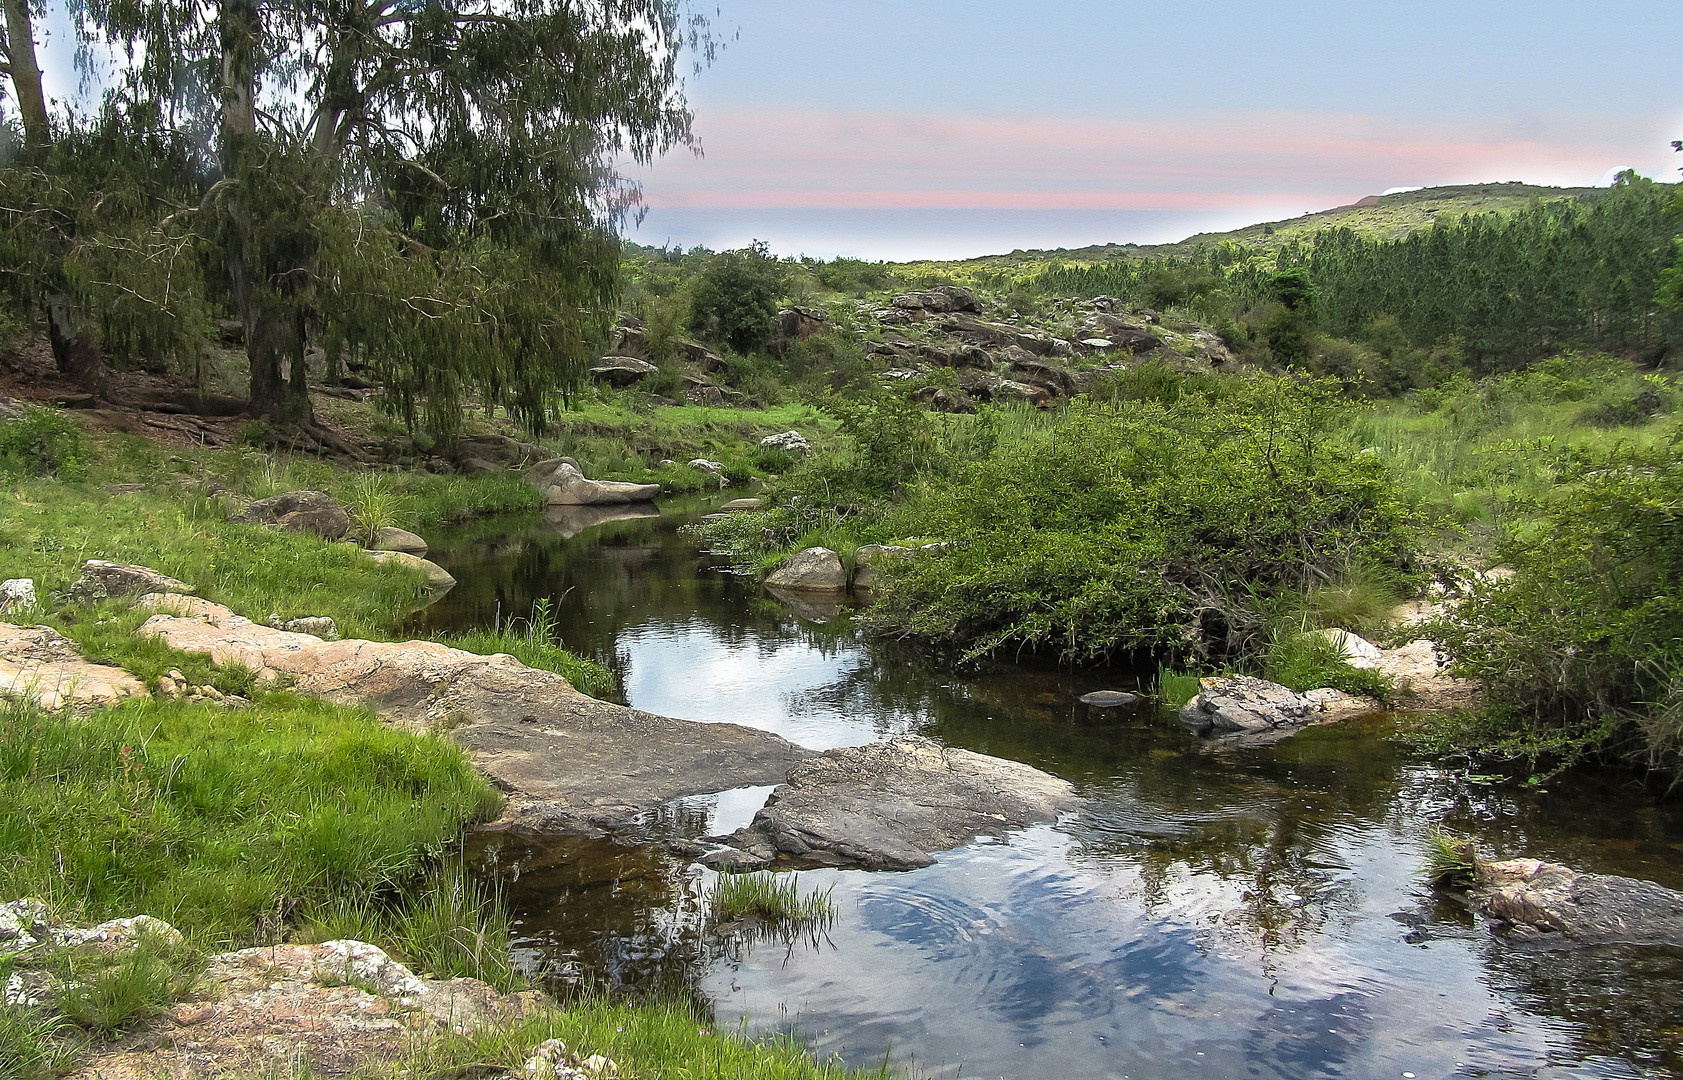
x=622, y=371
x=300, y=511
x=812, y=570
x=103, y=580
x=39, y=662
x=1242, y=710
x=1554, y=904
x=790, y=441
x=568, y=761
x=563, y=484
x=892, y=805
x=868, y=560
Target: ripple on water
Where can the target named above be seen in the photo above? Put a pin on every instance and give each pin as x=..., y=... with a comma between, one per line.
x=1256, y=915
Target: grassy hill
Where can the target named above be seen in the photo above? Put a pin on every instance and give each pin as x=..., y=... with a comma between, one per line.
x=1390, y=216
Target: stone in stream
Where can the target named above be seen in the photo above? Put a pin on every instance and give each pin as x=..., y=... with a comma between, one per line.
x=437, y=576
x=568, y=761
x=1109, y=699
x=739, y=506
x=564, y=484
x=395, y=539
x=816, y=569
x=1553, y=904
x=892, y=805
x=1238, y=710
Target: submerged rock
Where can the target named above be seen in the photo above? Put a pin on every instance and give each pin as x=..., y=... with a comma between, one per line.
x=103, y=580
x=563, y=484
x=892, y=805
x=1555, y=904
x=816, y=569
x=300, y=511
x=817, y=608
x=1109, y=699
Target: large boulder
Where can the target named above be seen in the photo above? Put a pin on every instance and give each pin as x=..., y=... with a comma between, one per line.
x=815, y=570
x=942, y=298
x=437, y=576
x=1126, y=335
x=103, y=580
x=892, y=805
x=300, y=511
x=1554, y=903
x=564, y=485
x=622, y=371
x=499, y=451
x=395, y=539
x=796, y=322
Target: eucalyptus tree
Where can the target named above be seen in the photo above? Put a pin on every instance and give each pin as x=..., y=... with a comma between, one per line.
x=431, y=183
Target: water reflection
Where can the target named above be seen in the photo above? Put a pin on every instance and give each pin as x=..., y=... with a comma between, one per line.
x=1254, y=914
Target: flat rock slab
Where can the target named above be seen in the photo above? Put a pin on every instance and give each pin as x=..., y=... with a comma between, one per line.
x=564, y=485
x=892, y=805
x=568, y=760
x=1556, y=905
x=39, y=662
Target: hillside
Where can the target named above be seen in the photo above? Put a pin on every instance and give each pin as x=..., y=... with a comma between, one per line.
x=1390, y=216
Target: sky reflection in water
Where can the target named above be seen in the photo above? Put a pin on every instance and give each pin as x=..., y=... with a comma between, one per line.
x=1205, y=915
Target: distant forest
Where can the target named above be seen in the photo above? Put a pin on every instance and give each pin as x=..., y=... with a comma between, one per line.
x=1558, y=274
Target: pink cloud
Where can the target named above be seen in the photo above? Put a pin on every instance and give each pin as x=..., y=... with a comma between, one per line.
x=789, y=159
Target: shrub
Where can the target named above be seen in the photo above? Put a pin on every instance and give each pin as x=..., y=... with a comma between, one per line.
x=1580, y=652
x=1138, y=528
x=1305, y=662
x=735, y=297
x=41, y=442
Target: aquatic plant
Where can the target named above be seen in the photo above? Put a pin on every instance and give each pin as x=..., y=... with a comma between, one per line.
x=774, y=901
x=1450, y=859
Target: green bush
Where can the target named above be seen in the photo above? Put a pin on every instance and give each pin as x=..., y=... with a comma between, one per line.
x=1135, y=528
x=735, y=298
x=1308, y=661
x=41, y=442
x=1581, y=652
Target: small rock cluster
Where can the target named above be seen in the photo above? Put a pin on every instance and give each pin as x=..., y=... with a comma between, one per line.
x=550, y=1060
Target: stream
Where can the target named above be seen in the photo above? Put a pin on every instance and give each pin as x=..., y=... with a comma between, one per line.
x=1251, y=914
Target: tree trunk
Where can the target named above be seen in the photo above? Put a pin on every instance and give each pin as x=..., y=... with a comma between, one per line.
x=274, y=340
x=76, y=355
x=26, y=78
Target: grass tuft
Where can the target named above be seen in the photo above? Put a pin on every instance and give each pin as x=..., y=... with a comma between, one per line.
x=105, y=992
x=1450, y=860
x=774, y=902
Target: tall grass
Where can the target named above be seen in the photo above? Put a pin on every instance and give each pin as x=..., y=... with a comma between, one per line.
x=771, y=905
x=215, y=819
x=533, y=642
x=374, y=506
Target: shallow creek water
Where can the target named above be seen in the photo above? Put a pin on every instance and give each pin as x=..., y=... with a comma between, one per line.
x=1255, y=914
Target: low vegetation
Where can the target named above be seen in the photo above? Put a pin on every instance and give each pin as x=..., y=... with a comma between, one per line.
x=771, y=905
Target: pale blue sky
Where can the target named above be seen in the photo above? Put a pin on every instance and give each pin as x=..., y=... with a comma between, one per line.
x=903, y=129
x=918, y=129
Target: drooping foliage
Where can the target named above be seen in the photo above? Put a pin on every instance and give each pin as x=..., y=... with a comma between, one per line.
x=430, y=187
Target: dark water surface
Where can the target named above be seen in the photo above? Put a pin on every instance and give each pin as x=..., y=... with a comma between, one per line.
x=1255, y=914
